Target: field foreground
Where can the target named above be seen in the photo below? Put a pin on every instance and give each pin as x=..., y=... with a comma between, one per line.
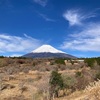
x=28, y=79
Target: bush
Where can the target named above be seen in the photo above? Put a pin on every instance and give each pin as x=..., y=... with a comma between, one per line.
x=91, y=61
x=56, y=83
x=21, y=61
x=69, y=82
x=62, y=67
x=83, y=78
x=4, y=62
x=2, y=57
x=78, y=74
x=97, y=76
x=60, y=61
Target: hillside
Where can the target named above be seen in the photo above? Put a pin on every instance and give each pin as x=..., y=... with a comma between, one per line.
x=47, y=51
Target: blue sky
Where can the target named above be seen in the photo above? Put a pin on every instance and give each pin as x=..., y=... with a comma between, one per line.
x=72, y=26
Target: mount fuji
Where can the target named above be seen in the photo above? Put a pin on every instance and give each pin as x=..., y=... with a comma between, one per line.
x=47, y=51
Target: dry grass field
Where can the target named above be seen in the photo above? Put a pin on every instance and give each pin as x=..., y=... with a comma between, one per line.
x=28, y=79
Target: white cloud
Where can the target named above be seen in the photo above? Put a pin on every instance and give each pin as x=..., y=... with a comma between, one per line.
x=86, y=40
x=10, y=43
x=46, y=18
x=75, y=17
x=41, y=2
x=16, y=55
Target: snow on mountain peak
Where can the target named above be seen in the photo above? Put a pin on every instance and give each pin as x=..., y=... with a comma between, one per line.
x=46, y=49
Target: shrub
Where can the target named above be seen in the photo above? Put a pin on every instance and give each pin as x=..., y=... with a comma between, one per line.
x=78, y=74
x=82, y=82
x=97, y=76
x=98, y=60
x=21, y=61
x=2, y=57
x=56, y=83
x=83, y=78
x=91, y=61
x=62, y=67
x=60, y=61
x=3, y=62
x=69, y=82
x=72, y=62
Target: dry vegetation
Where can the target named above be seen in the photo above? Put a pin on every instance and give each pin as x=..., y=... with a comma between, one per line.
x=29, y=79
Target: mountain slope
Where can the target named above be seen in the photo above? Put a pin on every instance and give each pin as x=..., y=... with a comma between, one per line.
x=47, y=48
x=47, y=51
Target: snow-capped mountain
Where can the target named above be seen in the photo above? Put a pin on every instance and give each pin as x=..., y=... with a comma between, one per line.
x=47, y=51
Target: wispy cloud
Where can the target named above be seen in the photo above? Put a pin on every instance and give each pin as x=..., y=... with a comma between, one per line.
x=76, y=17
x=10, y=43
x=41, y=2
x=86, y=40
x=46, y=18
